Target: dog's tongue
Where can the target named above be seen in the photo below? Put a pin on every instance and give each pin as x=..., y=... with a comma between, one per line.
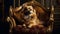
x=27, y=18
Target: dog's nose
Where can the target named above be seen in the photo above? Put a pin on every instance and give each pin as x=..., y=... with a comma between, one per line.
x=27, y=13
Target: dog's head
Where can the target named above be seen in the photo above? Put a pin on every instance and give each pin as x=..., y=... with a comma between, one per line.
x=29, y=13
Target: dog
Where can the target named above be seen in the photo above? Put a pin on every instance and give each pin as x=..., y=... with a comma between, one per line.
x=31, y=16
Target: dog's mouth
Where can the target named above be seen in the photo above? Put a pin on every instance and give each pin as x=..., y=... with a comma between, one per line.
x=28, y=15
x=27, y=18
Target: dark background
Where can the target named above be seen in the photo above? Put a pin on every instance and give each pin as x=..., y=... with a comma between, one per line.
x=4, y=12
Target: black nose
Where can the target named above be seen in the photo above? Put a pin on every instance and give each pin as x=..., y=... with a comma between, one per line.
x=27, y=13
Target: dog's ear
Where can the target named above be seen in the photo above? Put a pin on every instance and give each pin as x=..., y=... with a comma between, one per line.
x=43, y=14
